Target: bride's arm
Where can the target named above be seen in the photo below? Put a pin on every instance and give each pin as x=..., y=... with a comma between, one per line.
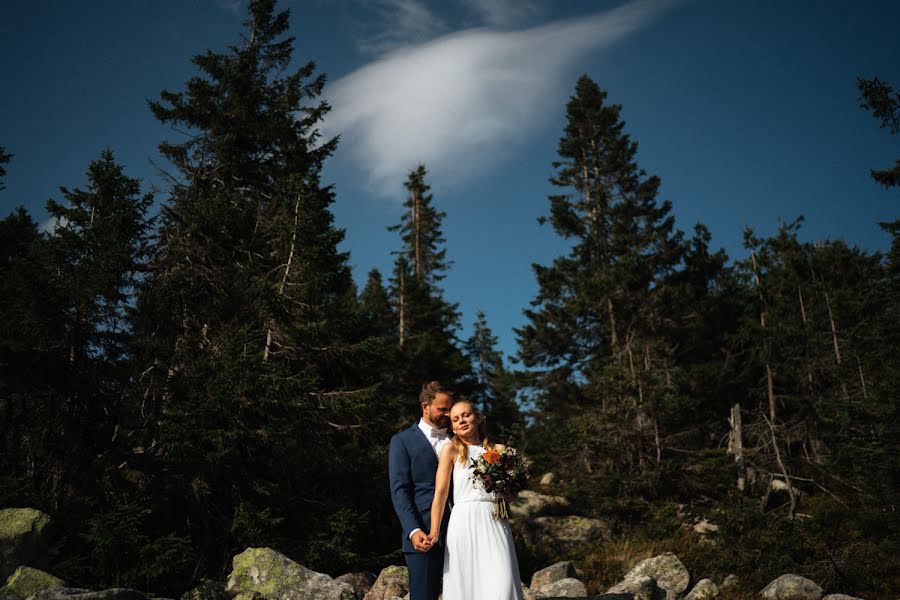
x=441, y=490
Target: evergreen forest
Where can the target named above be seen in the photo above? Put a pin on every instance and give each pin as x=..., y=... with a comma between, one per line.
x=191, y=372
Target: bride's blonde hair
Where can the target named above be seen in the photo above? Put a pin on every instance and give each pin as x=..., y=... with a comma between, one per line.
x=462, y=451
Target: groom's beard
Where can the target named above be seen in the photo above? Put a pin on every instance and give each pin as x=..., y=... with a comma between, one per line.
x=441, y=422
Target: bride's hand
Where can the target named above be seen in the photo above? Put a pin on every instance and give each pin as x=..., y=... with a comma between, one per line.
x=432, y=539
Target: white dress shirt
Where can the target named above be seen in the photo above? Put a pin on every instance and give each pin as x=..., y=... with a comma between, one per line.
x=436, y=437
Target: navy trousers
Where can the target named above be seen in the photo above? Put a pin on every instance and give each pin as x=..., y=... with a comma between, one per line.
x=426, y=570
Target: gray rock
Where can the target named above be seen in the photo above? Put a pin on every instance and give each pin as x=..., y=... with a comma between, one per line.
x=361, y=582
x=670, y=574
x=791, y=587
x=641, y=587
x=564, y=533
x=531, y=504
x=704, y=590
x=840, y=597
x=553, y=573
x=64, y=593
x=207, y=590
x=562, y=588
x=731, y=582
x=392, y=581
x=23, y=539
x=277, y=577
x=547, y=478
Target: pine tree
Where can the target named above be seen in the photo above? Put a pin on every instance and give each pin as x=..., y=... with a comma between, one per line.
x=4, y=159
x=426, y=322
x=493, y=386
x=248, y=318
x=71, y=293
x=879, y=98
x=599, y=364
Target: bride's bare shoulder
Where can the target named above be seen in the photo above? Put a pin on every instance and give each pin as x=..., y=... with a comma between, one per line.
x=449, y=451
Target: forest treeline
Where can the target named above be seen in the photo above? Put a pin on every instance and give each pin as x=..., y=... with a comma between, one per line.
x=179, y=384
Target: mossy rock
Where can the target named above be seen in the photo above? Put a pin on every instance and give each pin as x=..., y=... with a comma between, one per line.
x=276, y=577
x=23, y=539
x=26, y=581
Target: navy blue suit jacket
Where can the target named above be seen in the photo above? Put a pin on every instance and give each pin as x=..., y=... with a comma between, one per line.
x=412, y=465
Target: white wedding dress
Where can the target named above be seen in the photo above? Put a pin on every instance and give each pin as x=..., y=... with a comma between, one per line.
x=479, y=556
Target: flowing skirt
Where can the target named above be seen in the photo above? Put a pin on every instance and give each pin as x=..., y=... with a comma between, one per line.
x=479, y=556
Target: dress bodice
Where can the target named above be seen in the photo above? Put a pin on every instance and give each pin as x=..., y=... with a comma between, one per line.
x=465, y=487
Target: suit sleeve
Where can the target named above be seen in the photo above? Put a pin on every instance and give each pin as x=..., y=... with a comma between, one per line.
x=402, y=493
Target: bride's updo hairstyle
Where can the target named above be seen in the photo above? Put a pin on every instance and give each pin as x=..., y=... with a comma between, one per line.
x=462, y=451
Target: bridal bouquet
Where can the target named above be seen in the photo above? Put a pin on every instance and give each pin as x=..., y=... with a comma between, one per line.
x=503, y=472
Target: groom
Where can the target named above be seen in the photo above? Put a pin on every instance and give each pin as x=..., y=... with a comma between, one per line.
x=412, y=464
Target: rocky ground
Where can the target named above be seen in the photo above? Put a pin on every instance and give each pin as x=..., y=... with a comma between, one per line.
x=266, y=574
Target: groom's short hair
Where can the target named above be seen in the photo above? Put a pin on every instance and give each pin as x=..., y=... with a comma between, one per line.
x=430, y=391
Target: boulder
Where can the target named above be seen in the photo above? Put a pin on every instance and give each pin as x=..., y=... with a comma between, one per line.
x=562, y=588
x=360, y=582
x=551, y=574
x=531, y=504
x=392, y=581
x=65, y=593
x=840, y=597
x=791, y=587
x=23, y=539
x=26, y=581
x=249, y=596
x=668, y=572
x=704, y=590
x=276, y=577
x=641, y=587
x=564, y=532
x=731, y=582
x=207, y=590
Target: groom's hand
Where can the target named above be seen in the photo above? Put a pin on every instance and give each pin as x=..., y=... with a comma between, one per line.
x=420, y=541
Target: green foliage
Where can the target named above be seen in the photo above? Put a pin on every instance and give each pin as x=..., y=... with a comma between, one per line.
x=5, y=157
x=337, y=547
x=879, y=98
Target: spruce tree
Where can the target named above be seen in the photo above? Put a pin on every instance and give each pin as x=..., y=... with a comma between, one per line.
x=4, y=160
x=493, y=386
x=249, y=335
x=598, y=363
x=426, y=322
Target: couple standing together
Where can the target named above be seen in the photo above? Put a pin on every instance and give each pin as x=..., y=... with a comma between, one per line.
x=458, y=545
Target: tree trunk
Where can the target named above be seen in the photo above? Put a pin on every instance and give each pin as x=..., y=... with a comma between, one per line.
x=770, y=385
x=736, y=446
x=284, y=277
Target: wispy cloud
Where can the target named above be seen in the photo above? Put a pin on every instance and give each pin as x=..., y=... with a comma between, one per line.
x=400, y=23
x=232, y=6
x=503, y=13
x=459, y=102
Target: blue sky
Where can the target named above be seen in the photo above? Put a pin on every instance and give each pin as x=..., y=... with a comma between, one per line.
x=748, y=112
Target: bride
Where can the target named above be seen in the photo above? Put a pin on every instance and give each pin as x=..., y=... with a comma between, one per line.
x=479, y=556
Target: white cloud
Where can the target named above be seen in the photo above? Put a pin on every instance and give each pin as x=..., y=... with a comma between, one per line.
x=401, y=23
x=52, y=224
x=459, y=102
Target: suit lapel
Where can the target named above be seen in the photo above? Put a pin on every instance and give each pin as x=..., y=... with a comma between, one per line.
x=425, y=446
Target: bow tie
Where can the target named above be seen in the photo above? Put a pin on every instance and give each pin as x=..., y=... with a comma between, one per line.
x=436, y=433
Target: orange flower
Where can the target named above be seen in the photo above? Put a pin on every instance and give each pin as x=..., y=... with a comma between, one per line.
x=492, y=456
